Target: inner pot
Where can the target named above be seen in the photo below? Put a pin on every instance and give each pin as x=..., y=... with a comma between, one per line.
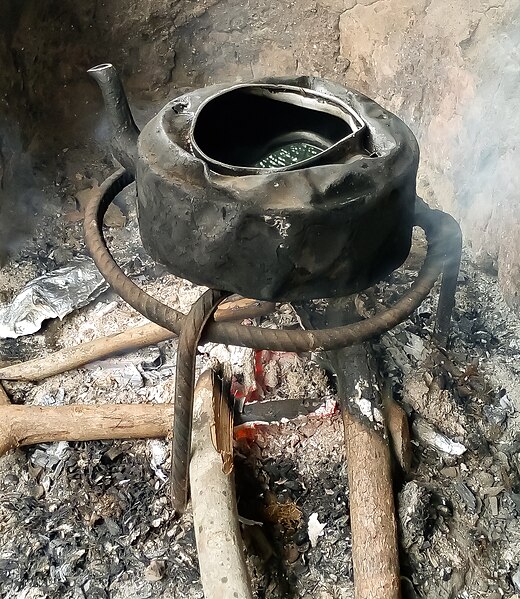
x=254, y=128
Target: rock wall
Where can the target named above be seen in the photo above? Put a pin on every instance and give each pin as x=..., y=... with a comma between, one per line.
x=450, y=70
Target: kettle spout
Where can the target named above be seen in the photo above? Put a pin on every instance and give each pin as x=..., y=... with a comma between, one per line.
x=124, y=129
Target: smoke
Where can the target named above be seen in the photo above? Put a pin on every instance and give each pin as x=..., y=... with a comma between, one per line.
x=487, y=171
x=20, y=197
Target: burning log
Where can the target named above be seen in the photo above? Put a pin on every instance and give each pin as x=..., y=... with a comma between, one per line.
x=219, y=545
x=398, y=429
x=368, y=423
x=79, y=355
x=119, y=343
x=372, y=510
x=28, y=425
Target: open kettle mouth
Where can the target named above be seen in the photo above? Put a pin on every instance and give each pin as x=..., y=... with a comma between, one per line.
x=261, y=128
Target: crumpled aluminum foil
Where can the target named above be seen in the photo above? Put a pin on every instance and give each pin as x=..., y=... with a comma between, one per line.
x=53, y=295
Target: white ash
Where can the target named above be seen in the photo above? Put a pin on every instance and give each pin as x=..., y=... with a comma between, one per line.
x=159, y=452
x=315, y=529
x=367, y=408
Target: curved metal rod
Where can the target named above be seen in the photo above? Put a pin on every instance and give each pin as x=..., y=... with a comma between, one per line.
x=439, y=228
x=446, y=231
x=189, y=338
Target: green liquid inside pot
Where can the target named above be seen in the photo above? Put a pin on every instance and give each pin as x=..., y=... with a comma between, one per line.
x=288, y=155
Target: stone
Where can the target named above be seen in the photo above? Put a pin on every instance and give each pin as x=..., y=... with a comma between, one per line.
x=446, y=70
x=450, y=472
x=154, y=571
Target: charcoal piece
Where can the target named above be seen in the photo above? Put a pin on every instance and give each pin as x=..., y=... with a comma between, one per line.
x=467, y=496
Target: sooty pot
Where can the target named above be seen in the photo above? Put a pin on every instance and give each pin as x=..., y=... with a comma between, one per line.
x=278, y=189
